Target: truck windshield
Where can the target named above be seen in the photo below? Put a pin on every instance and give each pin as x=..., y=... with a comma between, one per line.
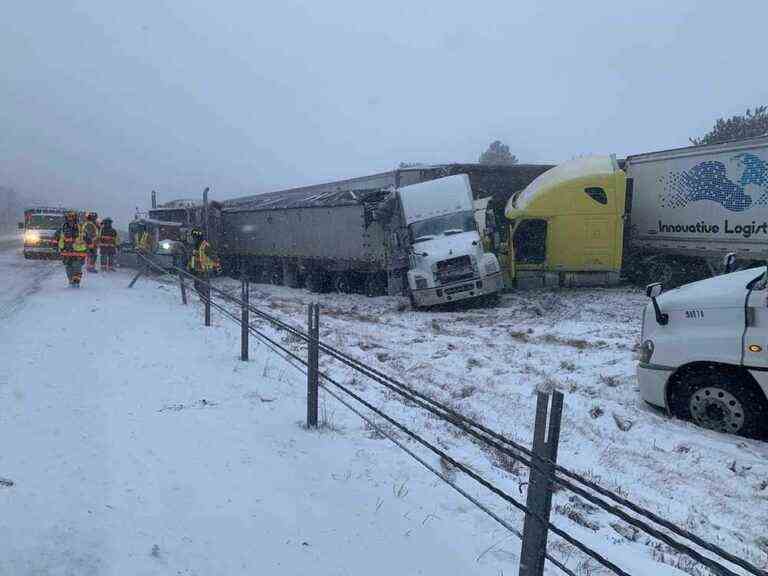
x=443, y=225
x=45, y=222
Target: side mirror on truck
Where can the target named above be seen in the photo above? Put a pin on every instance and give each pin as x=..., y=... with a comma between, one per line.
x=21, y=225
x=729, y=263
x=653, y=291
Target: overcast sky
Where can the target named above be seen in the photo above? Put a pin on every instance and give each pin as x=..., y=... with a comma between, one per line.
x=102, y=101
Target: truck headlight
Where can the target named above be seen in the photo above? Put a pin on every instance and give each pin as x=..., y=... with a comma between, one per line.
x=646, y=351
x=31, y=237
x=421, y=282
x=165, y=245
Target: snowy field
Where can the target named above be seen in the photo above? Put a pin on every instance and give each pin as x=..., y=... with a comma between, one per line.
x=489, y=362
x=138, y=443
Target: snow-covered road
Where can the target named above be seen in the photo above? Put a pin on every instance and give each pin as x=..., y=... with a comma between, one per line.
x=135, y=441
x=137, y=444
x=18, y=277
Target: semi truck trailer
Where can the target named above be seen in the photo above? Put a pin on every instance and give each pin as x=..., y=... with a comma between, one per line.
x=395, y=234
x=668, y=216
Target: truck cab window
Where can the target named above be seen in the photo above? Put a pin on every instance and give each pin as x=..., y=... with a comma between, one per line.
x=597, y=194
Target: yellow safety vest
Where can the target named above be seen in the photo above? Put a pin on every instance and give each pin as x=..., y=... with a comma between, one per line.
x=200, y=261
x=145, y=242
x=72, y=246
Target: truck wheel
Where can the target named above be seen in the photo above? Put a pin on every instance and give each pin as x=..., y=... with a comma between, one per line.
x=316, y=281
x=375, y=285
x=722, y=400
x=661, y=270
x=342, y=283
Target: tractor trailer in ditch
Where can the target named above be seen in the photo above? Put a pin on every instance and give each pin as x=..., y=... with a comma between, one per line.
x=414, y=237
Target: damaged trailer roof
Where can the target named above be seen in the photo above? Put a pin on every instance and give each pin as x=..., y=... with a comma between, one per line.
x=300, y=198
x=494, y=180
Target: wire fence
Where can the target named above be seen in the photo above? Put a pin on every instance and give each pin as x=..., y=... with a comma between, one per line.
x=544, y=470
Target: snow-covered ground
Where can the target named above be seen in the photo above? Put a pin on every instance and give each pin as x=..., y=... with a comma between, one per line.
x=18, y=277
x=489, y=362
x=138, y=443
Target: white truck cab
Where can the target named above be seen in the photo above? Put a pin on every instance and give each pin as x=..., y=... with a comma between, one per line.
x=448, y=262
x=704, y=352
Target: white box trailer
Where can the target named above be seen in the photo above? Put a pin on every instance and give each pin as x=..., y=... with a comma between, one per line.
x=693, y=205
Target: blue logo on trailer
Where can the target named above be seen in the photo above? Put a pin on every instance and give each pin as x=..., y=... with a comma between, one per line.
x=709, y=181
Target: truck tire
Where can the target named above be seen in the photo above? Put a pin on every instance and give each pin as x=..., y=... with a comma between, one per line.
x=342, y=283
x=661, y=270
x=317, y=281
x=721, y=399
x=276, y=277
x=375, y=285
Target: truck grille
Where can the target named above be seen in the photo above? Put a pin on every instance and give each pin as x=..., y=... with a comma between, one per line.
x=454, y=269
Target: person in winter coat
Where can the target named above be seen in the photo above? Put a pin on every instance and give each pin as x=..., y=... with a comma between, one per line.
x=91, y=231
x=202, y=262
x=72, y=248
x=108, y=242
x=145, y=241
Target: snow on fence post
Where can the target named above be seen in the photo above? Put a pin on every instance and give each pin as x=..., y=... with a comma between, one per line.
x=245, y=296
x=313, y=370
x=546, y=438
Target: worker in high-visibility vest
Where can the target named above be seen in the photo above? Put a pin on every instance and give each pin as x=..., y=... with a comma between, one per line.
x=108, y=241
x=202, y=263
x=145, y=241
x=72, y=248
x=91, y=232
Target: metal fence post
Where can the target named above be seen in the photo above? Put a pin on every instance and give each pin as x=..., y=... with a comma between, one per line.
x=183, y=288
x=143, y=270
x=207, y=292
x=539, y=500
x=313, y=356
x=244, y=318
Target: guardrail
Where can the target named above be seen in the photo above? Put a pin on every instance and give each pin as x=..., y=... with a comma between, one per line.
x=546, y=476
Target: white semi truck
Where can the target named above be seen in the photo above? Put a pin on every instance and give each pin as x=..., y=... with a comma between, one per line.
x=704, y=352
x=393, y=234
x=447, y=258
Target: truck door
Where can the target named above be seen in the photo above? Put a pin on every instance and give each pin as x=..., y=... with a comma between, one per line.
x=755, y=351
x=529, y=245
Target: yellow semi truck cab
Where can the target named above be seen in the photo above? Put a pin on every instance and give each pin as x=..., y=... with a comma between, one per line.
x=566, y=228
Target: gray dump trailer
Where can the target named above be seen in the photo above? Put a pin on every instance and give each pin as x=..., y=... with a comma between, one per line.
x=322, y=239
x=352, y=235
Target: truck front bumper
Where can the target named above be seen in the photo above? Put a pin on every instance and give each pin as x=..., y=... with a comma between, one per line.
x=457, y=291
x=652, y=380
x=40, y=251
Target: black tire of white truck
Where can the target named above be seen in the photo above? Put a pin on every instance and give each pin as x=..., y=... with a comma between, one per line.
x=726, y=400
